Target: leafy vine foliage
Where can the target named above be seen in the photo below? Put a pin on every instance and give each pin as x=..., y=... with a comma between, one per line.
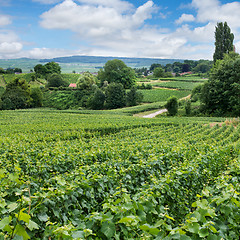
x=117, y=177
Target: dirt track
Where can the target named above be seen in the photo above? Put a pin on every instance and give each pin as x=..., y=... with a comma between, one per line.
x=152, y=115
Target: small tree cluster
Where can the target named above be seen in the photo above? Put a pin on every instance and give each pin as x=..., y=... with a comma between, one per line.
x=116, y=71
x=10, y=70
x=18, y=94
x=48, y=68
x=221, y=94
x=56, y=80
x=115, y=96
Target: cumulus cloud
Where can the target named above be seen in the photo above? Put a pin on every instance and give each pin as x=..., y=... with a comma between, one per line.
x=9, y=43
x=94, y=20
x=185, y=18
x=10, y=47
x=197, y=34
x=214, y=11
x=109, y=29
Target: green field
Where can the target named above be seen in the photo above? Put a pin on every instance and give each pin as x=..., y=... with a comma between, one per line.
x=176, y=85
x=161, y=95
x=82, y=175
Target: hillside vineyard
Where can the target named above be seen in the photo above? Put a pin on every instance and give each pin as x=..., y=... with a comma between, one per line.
x=65, y=175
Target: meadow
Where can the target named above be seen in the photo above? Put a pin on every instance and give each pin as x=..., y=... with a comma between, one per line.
x=105, y=175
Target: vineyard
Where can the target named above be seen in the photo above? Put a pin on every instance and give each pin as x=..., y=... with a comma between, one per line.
x=70, y=175
x=161, y=95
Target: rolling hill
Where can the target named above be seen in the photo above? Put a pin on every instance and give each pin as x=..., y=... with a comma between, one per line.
x=81, y=63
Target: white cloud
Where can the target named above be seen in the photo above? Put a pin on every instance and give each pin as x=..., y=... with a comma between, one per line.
x=185, y=18
x=214, y=11
x=9, y=43
x=198, y=34
x=8, y=36
x=94, y=20
x=143, y=12
x=4, y=20
x=10, y=47
x=109, y=30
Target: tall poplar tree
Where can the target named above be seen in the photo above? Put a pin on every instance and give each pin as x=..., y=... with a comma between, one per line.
x=223, y=41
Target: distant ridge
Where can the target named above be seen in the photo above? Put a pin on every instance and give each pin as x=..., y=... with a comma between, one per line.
x=101, y=60
x=82, y=63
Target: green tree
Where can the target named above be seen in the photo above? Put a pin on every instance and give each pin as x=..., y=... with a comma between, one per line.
x=115, y=96
x=223, y=41
x=172, y=106
x=154, y=65
x=158, y=72
x=221, y=94
x=86, y=81
x=48, y=68
x=40, y=70
x=56, y=80
x=202, y=67
x=96, y=102
x=53, y=67
x=16, y=95
x=118, y=72
x=37, y=97
x=134, y=97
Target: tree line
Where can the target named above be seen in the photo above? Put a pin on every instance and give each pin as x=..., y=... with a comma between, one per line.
x=176, y=68
x=114, y=87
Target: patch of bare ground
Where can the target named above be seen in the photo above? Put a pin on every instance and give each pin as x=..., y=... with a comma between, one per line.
x=154, y=81
x=227, y=122
x=185, y=98
x=2, y=82
x=174, y=89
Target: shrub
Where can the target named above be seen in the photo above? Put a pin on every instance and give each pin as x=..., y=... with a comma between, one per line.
x=134, y=97
x=172, y=106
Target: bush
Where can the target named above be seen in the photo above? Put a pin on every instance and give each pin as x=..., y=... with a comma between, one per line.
x=56, y=80
x=134, y=97
x=172, y=106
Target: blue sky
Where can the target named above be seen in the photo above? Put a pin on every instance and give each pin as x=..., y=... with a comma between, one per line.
x=144, y=28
